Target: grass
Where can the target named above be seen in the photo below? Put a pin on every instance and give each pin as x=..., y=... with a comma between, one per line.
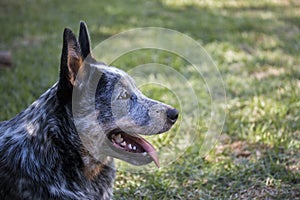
x=255, y=45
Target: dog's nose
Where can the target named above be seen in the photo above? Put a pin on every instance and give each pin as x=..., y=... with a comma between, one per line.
x=172, y=115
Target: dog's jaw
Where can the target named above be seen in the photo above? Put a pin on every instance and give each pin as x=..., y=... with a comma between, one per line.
x=134, y=144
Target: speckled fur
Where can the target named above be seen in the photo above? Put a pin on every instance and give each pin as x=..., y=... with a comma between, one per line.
x=41, y=155
x=42, y=150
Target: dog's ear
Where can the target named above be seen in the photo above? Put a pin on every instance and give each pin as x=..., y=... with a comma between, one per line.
x=71, y=61
x=84, y=40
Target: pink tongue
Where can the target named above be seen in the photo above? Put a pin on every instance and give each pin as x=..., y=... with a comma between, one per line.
x=148, y=148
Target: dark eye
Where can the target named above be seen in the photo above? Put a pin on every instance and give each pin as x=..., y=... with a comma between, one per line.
x=124, y=95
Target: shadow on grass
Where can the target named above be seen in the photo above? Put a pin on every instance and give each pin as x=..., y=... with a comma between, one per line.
x=250, y=171
x=261, y=173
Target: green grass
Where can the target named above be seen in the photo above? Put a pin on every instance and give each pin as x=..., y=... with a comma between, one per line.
x=256, y=46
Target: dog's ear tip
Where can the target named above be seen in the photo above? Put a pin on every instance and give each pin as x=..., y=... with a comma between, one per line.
x=83, y=27
x=69, y=35
x=84, y=39
x=82, y=23
x=67, y=31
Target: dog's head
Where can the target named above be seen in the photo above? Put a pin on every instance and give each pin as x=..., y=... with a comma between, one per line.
x=108, y=109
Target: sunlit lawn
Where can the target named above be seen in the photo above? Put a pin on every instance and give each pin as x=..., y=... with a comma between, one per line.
x=256, y=46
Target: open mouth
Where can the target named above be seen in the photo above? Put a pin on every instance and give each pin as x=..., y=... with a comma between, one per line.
x=133, y=144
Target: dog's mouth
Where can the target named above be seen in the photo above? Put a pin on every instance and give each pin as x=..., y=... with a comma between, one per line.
x=133, y=144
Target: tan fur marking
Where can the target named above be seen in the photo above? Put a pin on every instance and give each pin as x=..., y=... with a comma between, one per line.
x=74, y=62
x=92, y=167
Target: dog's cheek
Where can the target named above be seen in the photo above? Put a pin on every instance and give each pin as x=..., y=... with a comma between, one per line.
x=120, y=109
x=105, y=115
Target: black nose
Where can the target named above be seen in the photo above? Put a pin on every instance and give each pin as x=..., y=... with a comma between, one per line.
x=172, y=115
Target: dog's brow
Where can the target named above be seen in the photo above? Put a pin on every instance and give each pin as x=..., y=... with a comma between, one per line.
x=98, y=65
x=109, y=69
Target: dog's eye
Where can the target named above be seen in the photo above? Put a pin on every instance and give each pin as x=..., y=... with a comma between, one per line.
x=124, y=95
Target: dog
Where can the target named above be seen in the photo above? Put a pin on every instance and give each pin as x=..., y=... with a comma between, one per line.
x=45, y=150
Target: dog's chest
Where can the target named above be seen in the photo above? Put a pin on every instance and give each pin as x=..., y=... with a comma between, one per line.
x=61, y=187
x=40, y=159
x=77, y=185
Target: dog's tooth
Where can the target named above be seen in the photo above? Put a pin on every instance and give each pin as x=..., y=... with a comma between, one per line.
x=134, y=147
x=144, y=154
x=130, y=146
x=123, y=144
x=119, y=138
